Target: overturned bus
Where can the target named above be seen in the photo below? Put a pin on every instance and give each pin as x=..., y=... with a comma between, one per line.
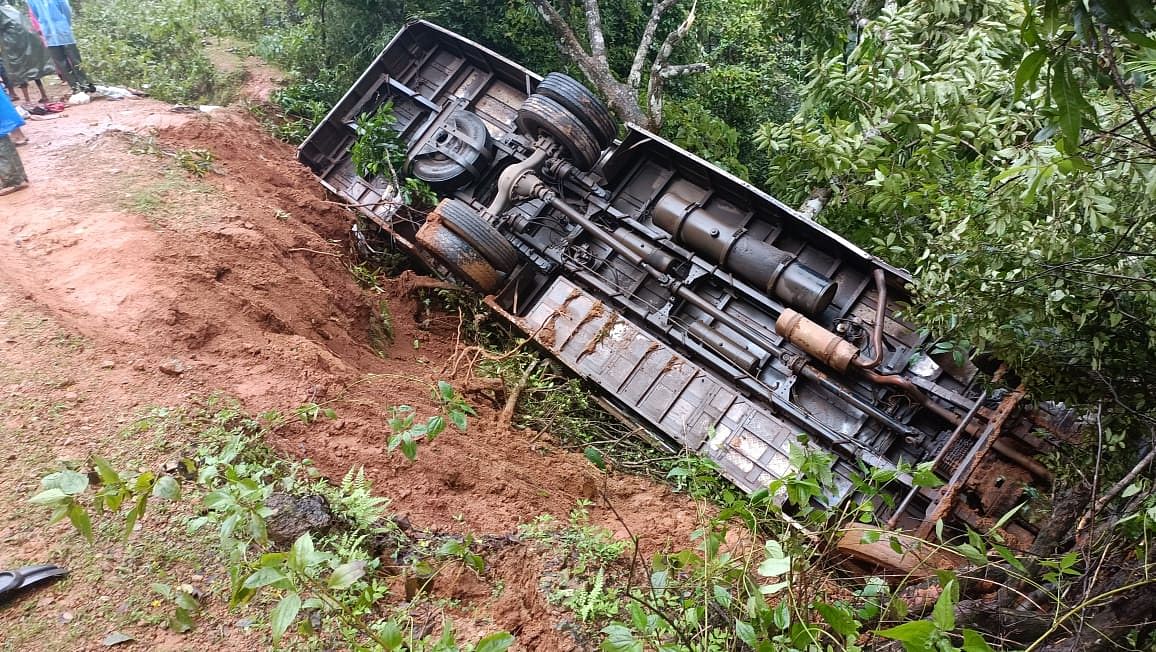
x=701, y=308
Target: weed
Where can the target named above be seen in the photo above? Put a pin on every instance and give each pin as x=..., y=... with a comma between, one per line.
x=407, y=430
x=378, y=149
x=310, y=412
x=353, y=500
x=332, y=584
x=197, y=162
x=381, y=333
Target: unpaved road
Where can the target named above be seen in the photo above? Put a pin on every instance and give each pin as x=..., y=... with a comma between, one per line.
x=127, y=283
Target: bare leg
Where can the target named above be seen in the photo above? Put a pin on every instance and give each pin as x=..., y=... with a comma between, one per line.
x=43, y=92
x=24, y=89
x=18, y=137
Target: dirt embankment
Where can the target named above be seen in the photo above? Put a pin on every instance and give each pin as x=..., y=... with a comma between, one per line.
x=238, y=284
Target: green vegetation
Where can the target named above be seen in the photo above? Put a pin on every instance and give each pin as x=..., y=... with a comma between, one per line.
x=326, y=585
x=1002, y=150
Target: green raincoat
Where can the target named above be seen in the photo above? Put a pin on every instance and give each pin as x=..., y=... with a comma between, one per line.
x=24, y=54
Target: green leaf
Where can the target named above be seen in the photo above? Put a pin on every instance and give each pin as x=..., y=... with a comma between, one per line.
x=943, y=614
x=595, y=457
x=301, y=553
x=182, y=621
x=435, y=426
x=973, y=555
x=496, y=642
x=973, y=642
x=409, y=449
x=781, y=616
x=80, y=521
x=746, y=633
x=1070, y=104
x=48, y=497
x=103, y=469
x=777, y=562
x=284, y=614
x=263, y=577
x=619, y=638
x=185, y=600
x=1029, y=70
x=391, y=635
x=458, y=418
x=722, y=596
x=346, y=574
x=167, y=487
x=70, y=482
x=839, y=618
x=915, y=635
x=446, y=391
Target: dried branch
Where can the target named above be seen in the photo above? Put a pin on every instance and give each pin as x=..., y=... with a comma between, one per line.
x=1117, y=488
x=656, y=14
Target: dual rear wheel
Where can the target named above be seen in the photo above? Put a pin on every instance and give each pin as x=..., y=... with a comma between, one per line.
x=462, y=239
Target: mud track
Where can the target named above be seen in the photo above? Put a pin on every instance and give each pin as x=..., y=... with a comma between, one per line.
x=238, y=284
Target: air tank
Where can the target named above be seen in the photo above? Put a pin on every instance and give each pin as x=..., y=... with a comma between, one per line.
x=721, y=240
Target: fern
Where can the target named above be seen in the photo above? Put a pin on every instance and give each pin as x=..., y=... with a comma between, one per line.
x=591, y=598
x=353, y=500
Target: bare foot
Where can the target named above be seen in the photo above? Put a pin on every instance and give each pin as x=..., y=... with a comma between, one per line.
x=12, y=189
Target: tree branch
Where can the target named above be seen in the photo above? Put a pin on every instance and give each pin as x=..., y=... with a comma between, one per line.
x=815, y=202
x=654, y=88
x=594, y=30
x=684, y=69
x=660, y=8
x=567, y=41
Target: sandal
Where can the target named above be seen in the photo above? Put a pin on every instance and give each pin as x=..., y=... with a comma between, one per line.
x=15, y=580
x=11, y=189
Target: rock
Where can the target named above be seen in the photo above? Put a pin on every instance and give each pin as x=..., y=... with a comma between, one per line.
x=173, y=367
x=296, y=515
x=66, y=616
x=107, y=364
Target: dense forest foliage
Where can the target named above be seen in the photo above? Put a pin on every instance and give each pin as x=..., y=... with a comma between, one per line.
x=1002, y=150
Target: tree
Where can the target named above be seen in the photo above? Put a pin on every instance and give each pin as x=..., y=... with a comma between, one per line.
x=625, y=98
x=1004, y=153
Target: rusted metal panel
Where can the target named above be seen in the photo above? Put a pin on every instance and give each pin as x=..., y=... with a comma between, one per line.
x=659, y=385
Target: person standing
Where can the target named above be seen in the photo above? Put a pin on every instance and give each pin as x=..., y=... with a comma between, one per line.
x=23, y=53
x=55, y=19
x=12, y=176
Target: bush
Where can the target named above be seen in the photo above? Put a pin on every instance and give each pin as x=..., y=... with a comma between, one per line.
x=151, y=45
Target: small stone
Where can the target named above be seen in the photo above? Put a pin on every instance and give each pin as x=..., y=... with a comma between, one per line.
x=138, y=365
x=198, y=578
x=173, y=367
x=71, y=396
x=66, y=616
x=245, y=623
x=107, y=364
x=247, y=225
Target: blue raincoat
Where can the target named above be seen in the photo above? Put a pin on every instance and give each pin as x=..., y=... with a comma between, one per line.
x=55, y=18
x=9, y=118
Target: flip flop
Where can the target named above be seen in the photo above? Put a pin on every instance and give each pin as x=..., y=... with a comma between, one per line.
x=13, y=581
x=11, y=189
